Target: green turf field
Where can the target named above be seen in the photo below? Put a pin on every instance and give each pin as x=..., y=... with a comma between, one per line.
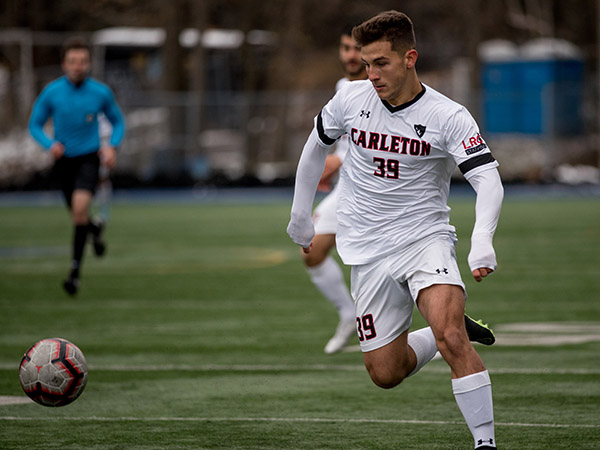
x=202, y=331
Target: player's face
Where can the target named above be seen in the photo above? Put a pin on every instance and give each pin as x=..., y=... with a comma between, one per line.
x=350, y=58
x=76, y=64
x=390, y=72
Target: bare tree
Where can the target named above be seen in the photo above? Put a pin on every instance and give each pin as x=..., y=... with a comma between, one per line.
x=534, y=16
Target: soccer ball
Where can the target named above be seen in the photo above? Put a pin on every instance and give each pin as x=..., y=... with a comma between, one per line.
x=53, y=372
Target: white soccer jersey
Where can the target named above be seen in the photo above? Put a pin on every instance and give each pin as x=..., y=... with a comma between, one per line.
x=394, y=183
x=324, y=216
x=341, y=148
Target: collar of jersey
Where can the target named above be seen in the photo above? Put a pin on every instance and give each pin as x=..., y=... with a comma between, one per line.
x=394, y=109
x=73, y=85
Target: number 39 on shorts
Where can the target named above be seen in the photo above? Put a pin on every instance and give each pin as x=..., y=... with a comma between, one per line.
x=365, y=327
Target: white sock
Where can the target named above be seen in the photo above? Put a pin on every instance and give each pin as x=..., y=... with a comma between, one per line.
x=329, y=279
x=473, y=395
x=423, y=344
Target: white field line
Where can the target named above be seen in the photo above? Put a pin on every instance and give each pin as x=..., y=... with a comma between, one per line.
x=14, y=400
x=285, y=419
x=309, y=368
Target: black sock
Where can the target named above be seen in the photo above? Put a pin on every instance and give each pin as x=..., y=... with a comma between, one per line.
x=79, y=239
x=94, y=227
x=74, y=271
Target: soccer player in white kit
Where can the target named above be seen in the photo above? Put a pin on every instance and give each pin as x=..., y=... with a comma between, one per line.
x=393, y=219
x=324, y=271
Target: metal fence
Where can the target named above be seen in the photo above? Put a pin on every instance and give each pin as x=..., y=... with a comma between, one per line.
x=221, y=134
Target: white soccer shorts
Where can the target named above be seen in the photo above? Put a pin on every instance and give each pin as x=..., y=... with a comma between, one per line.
x=385, y=291
x=325, y=216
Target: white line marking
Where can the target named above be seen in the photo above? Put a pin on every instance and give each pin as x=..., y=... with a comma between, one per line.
x=528, y=340
x=441, y=368
x=287, y=419
x=546, y=333
x=14, y=400
x=551, y=327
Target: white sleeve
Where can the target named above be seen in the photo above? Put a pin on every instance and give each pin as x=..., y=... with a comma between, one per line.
x=488, y=186
x=308, y=174
x=465, y=143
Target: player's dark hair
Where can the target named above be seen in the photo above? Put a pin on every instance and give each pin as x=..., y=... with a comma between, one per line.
x=392, y=26
x=73, y=43
x=346, y=30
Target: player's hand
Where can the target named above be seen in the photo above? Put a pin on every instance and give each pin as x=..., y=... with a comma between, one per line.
x=482, y=257
x=301, y=230
x=481, y=273
x=108, y=157
x=57, y=150
x=307, y=250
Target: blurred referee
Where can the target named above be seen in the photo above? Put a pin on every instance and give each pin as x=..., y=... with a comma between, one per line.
x=73, y=102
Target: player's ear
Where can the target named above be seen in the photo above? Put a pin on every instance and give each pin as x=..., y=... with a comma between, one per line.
x=410, y=58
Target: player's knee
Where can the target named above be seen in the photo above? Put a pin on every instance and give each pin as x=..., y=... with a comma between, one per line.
x=384, y=378
x=451, y=341
x=80, y=217
x=386, y=382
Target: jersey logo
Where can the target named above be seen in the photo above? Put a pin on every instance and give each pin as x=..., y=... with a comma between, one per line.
x=474, y=144
x=420, y=130
x=364, y=113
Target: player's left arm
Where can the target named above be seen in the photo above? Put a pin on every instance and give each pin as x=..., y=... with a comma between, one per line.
x=490, y=193
x=478, y=166
x=114, y=115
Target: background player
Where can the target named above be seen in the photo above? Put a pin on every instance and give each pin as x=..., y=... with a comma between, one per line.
x=322, y=268
x=74, y=102
x=393, y=217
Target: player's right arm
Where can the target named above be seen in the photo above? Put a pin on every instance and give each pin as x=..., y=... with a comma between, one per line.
x=312, y=162
x=325, y=133
x=40, y=114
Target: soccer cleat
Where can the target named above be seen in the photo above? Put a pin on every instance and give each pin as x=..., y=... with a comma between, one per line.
x=99, y=246
x=71, y=285
x=479, y=331
x=343, y=333
x=96, y=228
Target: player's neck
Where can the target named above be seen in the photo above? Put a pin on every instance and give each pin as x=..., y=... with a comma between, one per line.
x=76, y=81
x=412, y=88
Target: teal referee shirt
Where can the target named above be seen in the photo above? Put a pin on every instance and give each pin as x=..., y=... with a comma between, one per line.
x=74, y=111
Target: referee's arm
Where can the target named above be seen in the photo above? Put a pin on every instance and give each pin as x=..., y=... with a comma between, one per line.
x=40, y=114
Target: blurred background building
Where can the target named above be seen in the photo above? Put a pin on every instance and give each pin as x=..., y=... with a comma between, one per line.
x=224, y=92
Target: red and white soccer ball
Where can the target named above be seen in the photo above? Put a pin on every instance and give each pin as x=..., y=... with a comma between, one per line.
x=53, y=372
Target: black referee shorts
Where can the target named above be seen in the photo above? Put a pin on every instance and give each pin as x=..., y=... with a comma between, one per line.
x=79, y=172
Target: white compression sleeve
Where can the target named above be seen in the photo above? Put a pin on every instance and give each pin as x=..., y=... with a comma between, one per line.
x=308, y=174
x=488, y=186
